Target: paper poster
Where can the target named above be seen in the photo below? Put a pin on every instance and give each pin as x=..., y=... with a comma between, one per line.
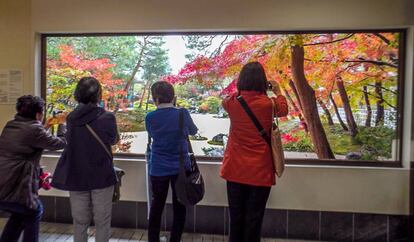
x=4, y=87
x=11, y=86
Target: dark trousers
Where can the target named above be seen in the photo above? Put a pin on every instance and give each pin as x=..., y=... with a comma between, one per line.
x=21, y=219
x=247, y=206
x=160, y=185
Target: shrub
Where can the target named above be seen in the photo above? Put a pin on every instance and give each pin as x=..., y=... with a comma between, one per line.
x=183, y=103
x=151, y=107
x=188, y=90
x=340, y=140
x=375, y=142
x=197, y=137
x=211, y=105
x=302, y=145
x=299, y=142
x=132, y=121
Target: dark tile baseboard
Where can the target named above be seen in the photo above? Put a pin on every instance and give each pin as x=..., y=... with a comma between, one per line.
x=285, y=224
x=337, y=226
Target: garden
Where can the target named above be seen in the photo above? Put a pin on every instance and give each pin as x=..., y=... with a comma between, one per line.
x=342, y=88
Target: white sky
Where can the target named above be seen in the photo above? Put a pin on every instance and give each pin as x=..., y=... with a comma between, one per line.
x=176, y=52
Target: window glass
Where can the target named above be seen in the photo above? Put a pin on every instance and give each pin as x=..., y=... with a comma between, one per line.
x=342, y=88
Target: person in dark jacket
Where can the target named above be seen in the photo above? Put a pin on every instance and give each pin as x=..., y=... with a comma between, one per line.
x=22, y=142
x=85, y=169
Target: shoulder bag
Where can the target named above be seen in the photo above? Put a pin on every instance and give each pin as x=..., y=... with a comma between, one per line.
x=274, y=141
x=189, y=186
x=118, y=171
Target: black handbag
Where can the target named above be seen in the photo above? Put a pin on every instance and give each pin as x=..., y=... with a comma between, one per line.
x=189, y=185
x=118, y=171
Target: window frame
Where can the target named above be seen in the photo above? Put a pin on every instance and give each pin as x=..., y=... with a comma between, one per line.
x=289, y=161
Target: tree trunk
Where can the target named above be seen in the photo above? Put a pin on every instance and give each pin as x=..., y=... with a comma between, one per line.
x=302, y=119
x=148, y=95
x=338, y=115
x=353, y=129
x=297, y=110
x=309, y=107
x=128, y=84
x=379, y=119
x=326, y=111
x=295, y=91
x=137, y=66
x=289, y=98
x=144, y=92
x=369, y=110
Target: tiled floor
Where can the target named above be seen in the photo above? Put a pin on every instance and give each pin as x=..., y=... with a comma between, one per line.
x=63, y=232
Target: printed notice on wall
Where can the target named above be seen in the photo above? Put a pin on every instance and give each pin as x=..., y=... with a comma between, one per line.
x=11, y=86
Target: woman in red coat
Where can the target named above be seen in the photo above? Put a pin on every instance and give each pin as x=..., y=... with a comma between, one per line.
x=248, y=165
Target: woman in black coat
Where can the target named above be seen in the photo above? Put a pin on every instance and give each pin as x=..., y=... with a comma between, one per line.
x=85, y=169
x=22, y=142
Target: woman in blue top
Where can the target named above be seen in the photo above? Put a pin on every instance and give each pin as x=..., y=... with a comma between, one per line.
x=163, y=127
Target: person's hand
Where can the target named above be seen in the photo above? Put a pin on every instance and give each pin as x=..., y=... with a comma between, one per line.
x=58, y=119
x=275, y=87
x=49, y=123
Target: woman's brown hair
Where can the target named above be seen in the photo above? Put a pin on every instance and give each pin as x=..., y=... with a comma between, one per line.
x=252, y=77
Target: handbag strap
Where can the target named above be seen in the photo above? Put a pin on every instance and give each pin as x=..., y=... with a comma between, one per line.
x=273, y=113
x=190, y=147
x=99, y=140
x=181, y=127
x=256, y=122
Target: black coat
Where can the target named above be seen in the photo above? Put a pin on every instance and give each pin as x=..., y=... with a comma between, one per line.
x=21, y=144
x=84, y=164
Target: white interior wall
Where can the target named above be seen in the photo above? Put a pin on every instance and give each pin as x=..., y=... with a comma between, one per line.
x=317, y=188
x=15, y=45
x=136, y=15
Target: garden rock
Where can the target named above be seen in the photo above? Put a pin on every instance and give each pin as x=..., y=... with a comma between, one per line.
x=353, y=156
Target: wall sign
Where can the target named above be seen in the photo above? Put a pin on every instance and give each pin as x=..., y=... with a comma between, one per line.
x=11, y=86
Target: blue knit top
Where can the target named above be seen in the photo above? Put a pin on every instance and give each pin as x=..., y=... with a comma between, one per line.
x=163, y=127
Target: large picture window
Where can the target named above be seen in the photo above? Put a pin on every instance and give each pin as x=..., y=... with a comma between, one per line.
x=343, y=88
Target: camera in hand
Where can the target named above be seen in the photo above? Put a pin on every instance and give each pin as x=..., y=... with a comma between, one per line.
x=269, y=86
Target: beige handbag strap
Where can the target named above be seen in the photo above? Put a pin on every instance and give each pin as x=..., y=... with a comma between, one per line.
x=99, y=140
x=273, y=112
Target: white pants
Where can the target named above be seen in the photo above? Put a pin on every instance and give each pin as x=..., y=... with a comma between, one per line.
x=96, y=204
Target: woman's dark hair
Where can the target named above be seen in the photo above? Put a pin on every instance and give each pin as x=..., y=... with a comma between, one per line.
x=88, y=90
x=252, y=77
x=28, y=106
x=163, y=92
